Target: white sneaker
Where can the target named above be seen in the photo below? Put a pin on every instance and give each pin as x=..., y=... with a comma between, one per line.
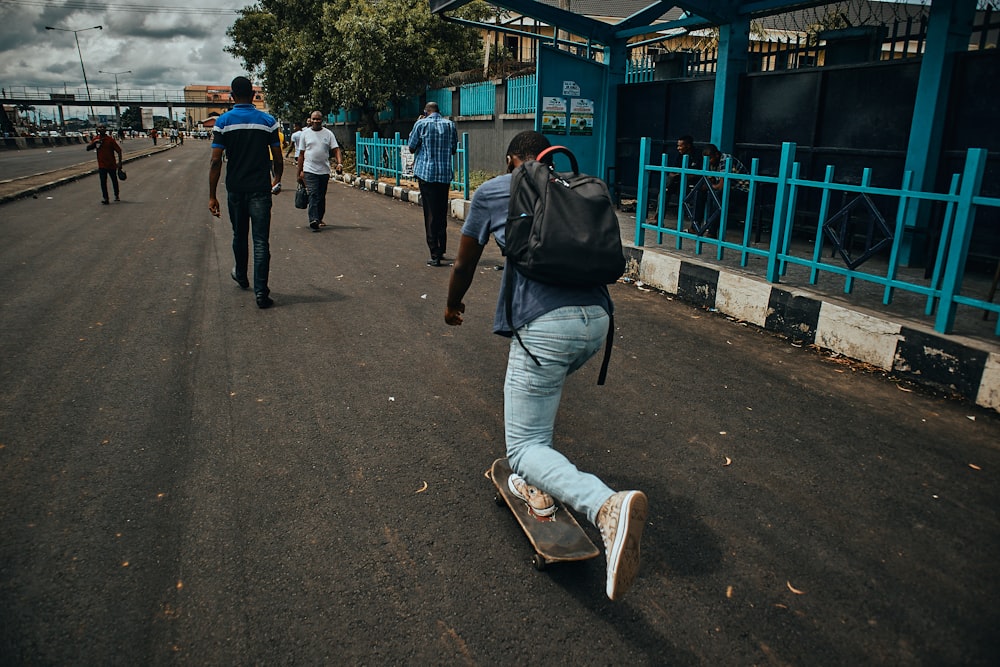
x=537, y=500
x=621, y=520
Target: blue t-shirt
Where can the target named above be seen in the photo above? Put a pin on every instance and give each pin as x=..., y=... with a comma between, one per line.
x=246, y=133
x=532, y=299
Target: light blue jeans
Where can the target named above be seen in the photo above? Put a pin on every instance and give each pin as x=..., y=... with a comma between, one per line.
x=562, y=340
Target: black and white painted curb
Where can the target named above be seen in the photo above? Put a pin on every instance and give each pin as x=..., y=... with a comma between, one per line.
x=954, y=365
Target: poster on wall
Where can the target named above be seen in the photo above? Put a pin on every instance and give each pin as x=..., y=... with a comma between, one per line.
x=553, y=115
x=406, y=159
x=581, y=117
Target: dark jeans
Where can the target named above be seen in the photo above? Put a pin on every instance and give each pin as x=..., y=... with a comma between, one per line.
x=250, y=214
x=317, y=185
x=104, y=173
x=434, y=197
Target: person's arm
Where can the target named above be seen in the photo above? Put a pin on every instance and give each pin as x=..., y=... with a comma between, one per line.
x=277, y=166
x=469, y=252
x=414, y=141
x=338, y=156
x=454, y=139
x=300, y=164
x=121, y=159
x=214, y=172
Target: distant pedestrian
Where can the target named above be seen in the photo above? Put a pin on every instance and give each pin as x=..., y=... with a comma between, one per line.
x=316, y=145
x=433, y=141
x=107, y=164
x=243, y=133
x=293, y=142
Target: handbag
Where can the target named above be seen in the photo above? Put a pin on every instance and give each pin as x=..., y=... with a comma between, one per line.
x=301, y=197
x=122, y=176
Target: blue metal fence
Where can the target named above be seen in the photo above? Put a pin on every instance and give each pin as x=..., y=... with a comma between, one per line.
x=639, y=69
x=384, y=157
x=778, y=196
x=443, y=98
x=343, y=116
x=522, y=94
x=477, y=99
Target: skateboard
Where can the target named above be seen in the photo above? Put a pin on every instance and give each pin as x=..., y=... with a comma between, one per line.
x=557, y=538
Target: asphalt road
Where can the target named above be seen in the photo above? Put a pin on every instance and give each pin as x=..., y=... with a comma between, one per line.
x=190, y=480
x=30, y=161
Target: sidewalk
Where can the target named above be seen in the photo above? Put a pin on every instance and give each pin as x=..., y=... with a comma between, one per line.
x=897, y=339
x=29, y=186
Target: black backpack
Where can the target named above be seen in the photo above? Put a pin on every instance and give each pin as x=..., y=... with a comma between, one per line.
x=562, y=230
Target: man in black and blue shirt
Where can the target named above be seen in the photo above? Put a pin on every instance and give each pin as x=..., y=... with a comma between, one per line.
x=248, y=137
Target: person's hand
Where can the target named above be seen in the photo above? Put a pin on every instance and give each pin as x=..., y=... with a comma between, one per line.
x=340, y=169
x=213, y=207
x=453, y=316
x=301, y=178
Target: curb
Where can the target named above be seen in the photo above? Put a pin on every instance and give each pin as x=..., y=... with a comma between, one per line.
x=76, y=173
x=956, y=366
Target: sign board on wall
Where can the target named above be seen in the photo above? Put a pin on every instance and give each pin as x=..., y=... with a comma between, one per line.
x=147, y=118
x=406, y=159
x=553, y=115
x=573, y=106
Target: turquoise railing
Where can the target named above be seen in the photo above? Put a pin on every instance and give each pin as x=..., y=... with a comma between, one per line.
x=443, y=98
x=343, y=116
x=639, y=69
x=942, y=287
x=522, y=94
x=477, y=99
x=383, y=157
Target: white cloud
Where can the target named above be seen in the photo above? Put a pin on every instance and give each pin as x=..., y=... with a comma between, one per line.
x=165, y=48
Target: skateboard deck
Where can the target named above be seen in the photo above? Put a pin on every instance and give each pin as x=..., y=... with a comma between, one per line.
x=557, y=538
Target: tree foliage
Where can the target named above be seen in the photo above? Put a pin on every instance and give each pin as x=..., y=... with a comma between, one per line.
x=351, y=54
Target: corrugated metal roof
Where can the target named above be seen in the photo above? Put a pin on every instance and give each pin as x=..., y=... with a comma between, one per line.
x=613, y=9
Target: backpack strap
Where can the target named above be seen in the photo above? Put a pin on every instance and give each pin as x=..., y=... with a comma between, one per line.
x=508, y=296
x=608, y=342
x=546, y=156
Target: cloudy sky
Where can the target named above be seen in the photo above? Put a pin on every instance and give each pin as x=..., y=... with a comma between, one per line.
x=166, y=44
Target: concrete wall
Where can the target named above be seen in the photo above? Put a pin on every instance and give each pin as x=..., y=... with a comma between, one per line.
x=488, y=135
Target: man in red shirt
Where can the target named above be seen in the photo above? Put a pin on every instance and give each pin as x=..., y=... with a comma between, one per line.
x=106, y=148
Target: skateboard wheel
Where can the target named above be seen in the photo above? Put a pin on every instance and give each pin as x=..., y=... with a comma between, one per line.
x=498, y=499
x=539, y=562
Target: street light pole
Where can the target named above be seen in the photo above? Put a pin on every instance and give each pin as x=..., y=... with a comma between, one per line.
x=118, y=102
x=77, y=37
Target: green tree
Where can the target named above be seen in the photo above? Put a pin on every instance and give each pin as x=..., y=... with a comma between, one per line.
x=132, y=117
x=350, y=54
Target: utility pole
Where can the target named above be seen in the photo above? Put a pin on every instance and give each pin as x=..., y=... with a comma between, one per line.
x=118, y=106
x=77, y=37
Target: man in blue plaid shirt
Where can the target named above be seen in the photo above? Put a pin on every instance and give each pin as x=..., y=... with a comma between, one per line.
x=433, y=141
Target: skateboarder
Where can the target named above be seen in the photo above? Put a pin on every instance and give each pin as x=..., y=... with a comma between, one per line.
x=563, y=328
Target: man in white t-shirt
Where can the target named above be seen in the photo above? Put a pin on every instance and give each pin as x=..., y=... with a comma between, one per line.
x=316, y=145
x=293, y=142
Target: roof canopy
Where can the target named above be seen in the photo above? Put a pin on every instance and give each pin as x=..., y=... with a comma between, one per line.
x=646, y=15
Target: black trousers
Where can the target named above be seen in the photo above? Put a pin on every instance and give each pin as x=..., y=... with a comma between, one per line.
x=434, y=198
x=104, y=173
